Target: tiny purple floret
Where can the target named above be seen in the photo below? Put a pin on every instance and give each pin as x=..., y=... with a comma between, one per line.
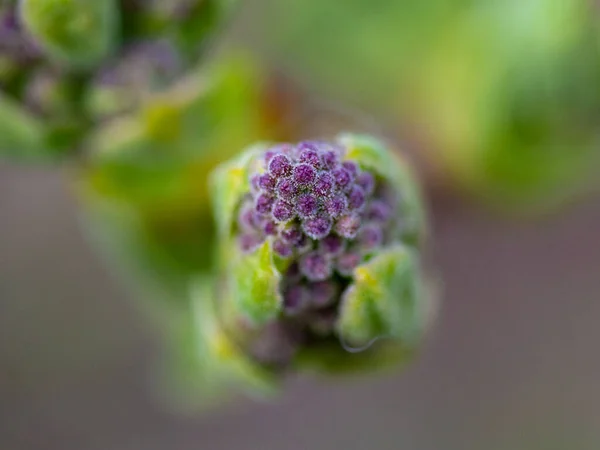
x=307, y=206
x=280, y=166
x=379, y=210
x=329, y=159
x=264, y=203
x=351, y=167
x=286, y=189
x=247, y=217
x=255, y=182
x=315, y=266
x=283, y=211
x=322, y=293
x=332, y=244
x=356, y=198
x=366, y=181
x=317, y=227
x=342, y=177
x=267, y=182
x=336, y=205
x=295, y=299
x=270, y=228
x=291, y=233
x=346, y=263
x=310, y=156
x=282, y=249
x=249, y=242
x=348, y=226
x=324, y=184
x=304, y=174
x=371, y=236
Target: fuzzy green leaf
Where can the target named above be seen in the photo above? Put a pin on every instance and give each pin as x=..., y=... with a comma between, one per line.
x=255, y=288
x=383, y=301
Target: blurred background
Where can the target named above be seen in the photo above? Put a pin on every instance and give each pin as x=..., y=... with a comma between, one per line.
x=496, y=103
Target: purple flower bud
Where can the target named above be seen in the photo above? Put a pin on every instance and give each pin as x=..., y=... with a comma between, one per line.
x=322, y=293
x=295, y=299
x=329, y=159
x=267, y=182
x=379, y=210
x=310, y=156
x=270, y=228
x=332, y=244
x=264, y=203
x=255, y=183
x=280, y=166
x=315, y=266
x=343, y=178
x=249, y=242
x=283, y=211
x=371, y=236
x=291, y=233
x=247, y=217
x=286, y=189
x=282, y=248
x=347, y=226
x=351, y=167
x=346, y=263
x=336, y=205
x=366, y=181
x=317, y=227
x=324, y=184
x=307, y=206
x=356, y=198
x=304, y=174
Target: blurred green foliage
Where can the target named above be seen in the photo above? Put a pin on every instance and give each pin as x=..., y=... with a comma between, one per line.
x=503, y=95
x=67, y=64
x=78, y=32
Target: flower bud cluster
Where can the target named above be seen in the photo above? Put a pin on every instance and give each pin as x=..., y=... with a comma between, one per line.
x=325, y=215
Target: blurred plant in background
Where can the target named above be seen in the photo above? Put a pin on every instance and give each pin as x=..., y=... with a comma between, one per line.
x=67, y=65
x=503, y=97
x=116, y=88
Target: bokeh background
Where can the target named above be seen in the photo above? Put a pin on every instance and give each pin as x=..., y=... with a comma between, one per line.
x=513, y=362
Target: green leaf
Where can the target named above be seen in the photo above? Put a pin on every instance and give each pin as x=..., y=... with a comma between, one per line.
x=384, y=300
x=255, y=284
x=229, y=183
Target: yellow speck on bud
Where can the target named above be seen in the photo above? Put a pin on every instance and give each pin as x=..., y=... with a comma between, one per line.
x=363, y=276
